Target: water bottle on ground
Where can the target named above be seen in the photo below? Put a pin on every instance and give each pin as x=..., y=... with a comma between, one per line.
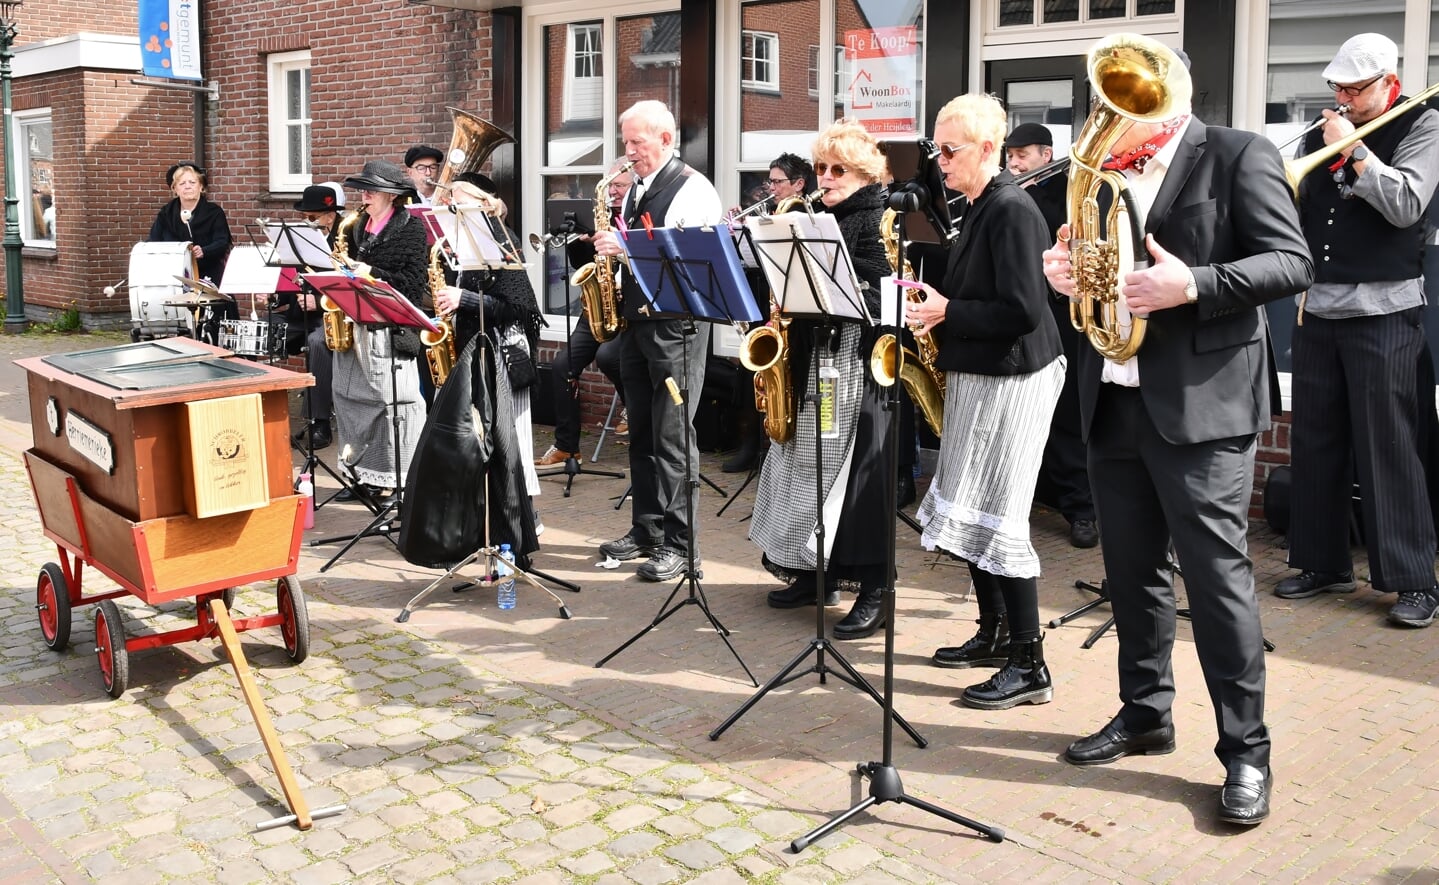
x=307, y=488
x=505, y=579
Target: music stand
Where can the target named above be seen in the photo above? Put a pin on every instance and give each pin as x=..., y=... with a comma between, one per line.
x=885, y=784
x=372, y=302
x=809, y=270
x=695, y=275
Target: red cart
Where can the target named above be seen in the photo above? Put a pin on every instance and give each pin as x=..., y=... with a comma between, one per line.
x=120, y=483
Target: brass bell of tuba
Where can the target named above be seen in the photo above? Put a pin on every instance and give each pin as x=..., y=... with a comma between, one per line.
x=472, y=140
x=1136, y=79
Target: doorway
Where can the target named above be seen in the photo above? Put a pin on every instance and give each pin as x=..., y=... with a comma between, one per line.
x=1051, y=91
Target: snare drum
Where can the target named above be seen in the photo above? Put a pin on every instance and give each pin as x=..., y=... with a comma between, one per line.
x=253, y=338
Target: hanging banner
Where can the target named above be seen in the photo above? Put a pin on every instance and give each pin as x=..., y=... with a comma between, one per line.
x=170, y=39
x=883, y=69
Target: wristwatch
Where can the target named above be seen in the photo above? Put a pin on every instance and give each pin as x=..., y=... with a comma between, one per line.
x=1359, y=154
x=1191, y=289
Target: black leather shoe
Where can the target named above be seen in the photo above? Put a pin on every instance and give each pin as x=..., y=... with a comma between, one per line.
x=321, y=438
x=1083, y=533
x=1415, y=608
x=1244, y=798
x=1114, y=741
x=1308, y=583
x=743, y=459
x=346, y=494
x=904, y=492
x=627, y=548
x=800, y=594
x=665, y=563
x=865, y=618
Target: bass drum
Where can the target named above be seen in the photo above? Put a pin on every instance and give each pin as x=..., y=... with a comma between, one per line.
x=154, y=290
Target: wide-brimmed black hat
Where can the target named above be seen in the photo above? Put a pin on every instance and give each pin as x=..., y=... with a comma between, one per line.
x=383, y=176
x=318, y=198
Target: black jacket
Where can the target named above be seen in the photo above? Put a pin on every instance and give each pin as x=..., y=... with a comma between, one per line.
x=208, y=229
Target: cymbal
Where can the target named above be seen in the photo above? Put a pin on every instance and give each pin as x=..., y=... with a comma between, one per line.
x=207, y=293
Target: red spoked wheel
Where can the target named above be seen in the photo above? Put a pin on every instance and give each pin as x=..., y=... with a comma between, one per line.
x=52, y=602
x=294, y=618
x=110, y=648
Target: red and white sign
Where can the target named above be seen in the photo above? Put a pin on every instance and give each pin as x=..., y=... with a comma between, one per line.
x=883, y=89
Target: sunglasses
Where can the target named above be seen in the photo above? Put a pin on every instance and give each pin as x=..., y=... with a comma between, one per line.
x=1352, y=91
x=836, y=170
x=950, y=151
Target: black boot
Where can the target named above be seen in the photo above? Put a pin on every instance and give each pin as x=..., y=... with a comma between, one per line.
x=865, y=618
x=1024, y=679
x=801, y=593
x=987, y=648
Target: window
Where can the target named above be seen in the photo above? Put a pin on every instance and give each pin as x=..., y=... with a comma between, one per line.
x=759, y=60
x=584, y=87
x=1010, y=13
x=289, y=120
x=35, y=167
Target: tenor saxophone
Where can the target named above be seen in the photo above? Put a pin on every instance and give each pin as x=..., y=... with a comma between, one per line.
x=439, y=346
x=596, y=280
x=765, y=351
x=339, y=330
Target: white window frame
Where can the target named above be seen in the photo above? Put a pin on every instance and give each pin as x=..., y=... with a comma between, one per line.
x=1131, y=14
x=21, y=160
x=753, y=61
x=278, y=67
x=574, y=84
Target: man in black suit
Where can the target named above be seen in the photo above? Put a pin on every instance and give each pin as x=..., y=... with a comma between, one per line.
x=1171, y=434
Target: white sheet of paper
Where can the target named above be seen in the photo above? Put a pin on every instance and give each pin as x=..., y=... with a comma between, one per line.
x=297, y=245
x=888, y=301
x=807, y=265
x=246, y=272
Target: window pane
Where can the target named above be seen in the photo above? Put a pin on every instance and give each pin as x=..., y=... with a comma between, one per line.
x=647, y=62
x=1016, y=12
x=1106, y=9
x=1154, y=7
x=554, y=261
x=295, y=94
x=574, y=94
x=1050, y=102
x=37, y=215
x=1063, y=11
x=884, y=53
x=785, y=119
x=297, y=155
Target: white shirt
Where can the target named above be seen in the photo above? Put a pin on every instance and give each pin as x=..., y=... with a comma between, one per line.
x=697, y=203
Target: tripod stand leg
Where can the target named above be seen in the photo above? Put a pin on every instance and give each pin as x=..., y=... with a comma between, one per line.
x=404, y=614
x=380, y=525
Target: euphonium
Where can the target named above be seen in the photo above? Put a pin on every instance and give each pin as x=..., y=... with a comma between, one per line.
x=339, y=331
x=439, y=346
x=919, y=372
x=596, y=280
x=765, y=351
x=1136, y=79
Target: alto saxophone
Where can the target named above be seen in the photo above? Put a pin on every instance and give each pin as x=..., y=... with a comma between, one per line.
x=765, y=351
x=439, y=346
x=919, y=372
x=596, y=280
x=339, y=330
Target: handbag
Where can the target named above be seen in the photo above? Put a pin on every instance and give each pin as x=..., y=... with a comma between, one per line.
x=519, y=367
x=406, y=343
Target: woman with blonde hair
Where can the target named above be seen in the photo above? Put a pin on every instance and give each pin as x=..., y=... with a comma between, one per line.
x=1004, y=367
x=856, y=480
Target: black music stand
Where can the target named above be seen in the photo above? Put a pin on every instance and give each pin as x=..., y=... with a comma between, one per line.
x=811, y=274
x=695, y=275
x=885, y=784
x=372, y=302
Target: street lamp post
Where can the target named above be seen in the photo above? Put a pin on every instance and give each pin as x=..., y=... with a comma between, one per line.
x=14, y=268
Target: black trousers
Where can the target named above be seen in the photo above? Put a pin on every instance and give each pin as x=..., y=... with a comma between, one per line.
x=1063, y=474
x=1147, y=491
x=322, y=399
x=651, y=352
x=581, y=350
x=1356, y=401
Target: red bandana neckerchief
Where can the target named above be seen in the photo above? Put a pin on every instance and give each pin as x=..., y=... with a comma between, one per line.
x=1138, y=158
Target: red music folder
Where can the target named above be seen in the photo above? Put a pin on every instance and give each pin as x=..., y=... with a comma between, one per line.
x=370, y=301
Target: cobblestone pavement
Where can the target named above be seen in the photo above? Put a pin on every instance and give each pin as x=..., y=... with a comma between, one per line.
x=477, y=745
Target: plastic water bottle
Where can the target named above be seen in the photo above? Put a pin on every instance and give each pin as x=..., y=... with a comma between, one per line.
x=828, y=381
x=505, y=578
x=307, y=488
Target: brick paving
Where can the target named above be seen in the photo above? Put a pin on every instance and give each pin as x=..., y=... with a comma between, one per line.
x=477, y=745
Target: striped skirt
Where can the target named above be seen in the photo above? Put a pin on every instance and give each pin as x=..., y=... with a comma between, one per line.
x=977, y=507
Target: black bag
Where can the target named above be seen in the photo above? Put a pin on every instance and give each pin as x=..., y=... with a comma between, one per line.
x=519, y=366
x=406, y=343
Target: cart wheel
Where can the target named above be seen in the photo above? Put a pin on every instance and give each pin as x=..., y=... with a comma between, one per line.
x=52, y=600
x=294, y=618
x=110, y=647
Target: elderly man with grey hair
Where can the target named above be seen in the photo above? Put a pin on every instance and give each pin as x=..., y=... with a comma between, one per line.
x=666, y=193
x=1360, y=340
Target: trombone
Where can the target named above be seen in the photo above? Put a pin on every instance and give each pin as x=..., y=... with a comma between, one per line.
x=1297, y=169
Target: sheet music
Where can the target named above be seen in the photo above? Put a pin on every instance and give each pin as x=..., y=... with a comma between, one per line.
x=297, y=245
x=467, y=230
x=247, y=272
x=693, y=271
x=807, y=265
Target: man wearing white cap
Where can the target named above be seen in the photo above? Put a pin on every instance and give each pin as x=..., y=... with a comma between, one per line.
x=1357, y=347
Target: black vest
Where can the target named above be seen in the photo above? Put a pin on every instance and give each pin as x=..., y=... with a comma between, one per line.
x=1350, y=241
x=656, y=201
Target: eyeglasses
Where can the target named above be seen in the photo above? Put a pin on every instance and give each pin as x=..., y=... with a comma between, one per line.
x=776, y=182
x=950, y=151
x=835, y=170
x=427, y=167
x=1352, y=91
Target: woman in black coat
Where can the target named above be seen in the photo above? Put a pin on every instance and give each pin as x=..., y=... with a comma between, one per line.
x=191, y=218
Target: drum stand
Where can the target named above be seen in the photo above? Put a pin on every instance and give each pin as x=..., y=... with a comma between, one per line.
x=691, y=579
x=821, y=643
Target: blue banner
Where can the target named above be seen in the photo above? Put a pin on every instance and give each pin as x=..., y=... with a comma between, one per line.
x=170, y=39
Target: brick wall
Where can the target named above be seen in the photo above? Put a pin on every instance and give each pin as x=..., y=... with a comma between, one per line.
x=1273, y=451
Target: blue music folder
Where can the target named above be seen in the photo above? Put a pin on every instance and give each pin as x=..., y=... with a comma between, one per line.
x=691, y=272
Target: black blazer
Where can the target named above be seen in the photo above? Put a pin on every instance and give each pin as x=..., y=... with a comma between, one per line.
x=998, y=321
x=1226, y=211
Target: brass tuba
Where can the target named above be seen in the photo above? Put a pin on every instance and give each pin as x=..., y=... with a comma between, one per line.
x=919, y=372
x=472, y=140
x=599, y=295
x=339, y=330
x=1136, y=79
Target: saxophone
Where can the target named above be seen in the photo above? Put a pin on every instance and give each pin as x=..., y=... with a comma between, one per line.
x=919, y=372
x=339, y=330
x=596, y=280
x=439, y=346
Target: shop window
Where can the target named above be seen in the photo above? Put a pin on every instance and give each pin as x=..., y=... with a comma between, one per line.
x=289, y=120
x=35, y=167
x=759, y=61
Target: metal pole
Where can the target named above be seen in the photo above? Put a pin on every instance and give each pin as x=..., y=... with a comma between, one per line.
x=14, y=268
